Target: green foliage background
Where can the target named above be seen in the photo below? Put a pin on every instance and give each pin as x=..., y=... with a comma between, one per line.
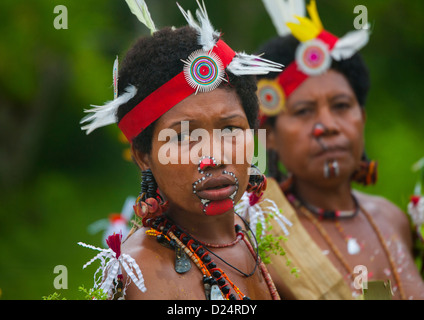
x=55, y=181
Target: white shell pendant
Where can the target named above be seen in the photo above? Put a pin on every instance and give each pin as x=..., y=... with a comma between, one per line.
x=216, y=294
x=353, y=246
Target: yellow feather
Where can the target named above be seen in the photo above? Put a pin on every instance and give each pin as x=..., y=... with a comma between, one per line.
x=305, y=30
x=313, y=13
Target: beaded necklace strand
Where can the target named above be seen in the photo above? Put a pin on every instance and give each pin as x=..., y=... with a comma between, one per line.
x=329, y=214
x=386, y=250
x=167, y=232
x=225, y=245
x=239, y=236
x=336, y=215
x=337, y=252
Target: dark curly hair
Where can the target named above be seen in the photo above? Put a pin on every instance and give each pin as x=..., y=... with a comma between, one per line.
x=153, y=61
x=283, y=49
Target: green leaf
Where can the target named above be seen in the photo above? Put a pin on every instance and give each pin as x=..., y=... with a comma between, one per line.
x=93, y=294
x=53, y=296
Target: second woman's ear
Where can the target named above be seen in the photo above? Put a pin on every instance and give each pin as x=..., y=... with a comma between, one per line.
x=270, y=137
x=140, y=158
x=364, y=114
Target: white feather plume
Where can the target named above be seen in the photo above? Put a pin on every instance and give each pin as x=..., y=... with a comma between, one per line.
x=140, y=10
x=110, y=267
x=189, y=18
x=245, y=64
x=105, y=115
x=350, y=43
x=242, y=64
x=259, y=212
x=283, y=11
x=207, y=35
x=115, y=74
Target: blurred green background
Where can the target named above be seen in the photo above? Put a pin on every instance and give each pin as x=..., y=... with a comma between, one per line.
x=55, y=180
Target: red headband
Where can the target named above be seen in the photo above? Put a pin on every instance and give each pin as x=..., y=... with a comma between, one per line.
x=175, y=90
x=313, y=55
x=292, y=77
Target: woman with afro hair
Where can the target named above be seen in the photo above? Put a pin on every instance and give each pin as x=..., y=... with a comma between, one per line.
x=188, y=243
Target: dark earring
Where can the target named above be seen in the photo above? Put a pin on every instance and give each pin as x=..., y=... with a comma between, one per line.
x=149, y=187
x=367, y=171
x=287, y=183
x=149, y=203
x=257, y=181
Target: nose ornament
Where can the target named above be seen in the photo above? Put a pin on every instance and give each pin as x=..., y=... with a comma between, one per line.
x=206, y=162
x=318, y=130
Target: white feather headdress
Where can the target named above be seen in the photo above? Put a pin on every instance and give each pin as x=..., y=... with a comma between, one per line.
x=241, y=64
x=317, y=47
x=284, y=11
x=207, y=35
x=351, y=43
x=140, y=10
x=105, y=115
x=288, y=16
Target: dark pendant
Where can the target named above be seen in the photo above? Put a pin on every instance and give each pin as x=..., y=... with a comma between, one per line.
x=162, y=240
x=207, y=285
x=182, y=261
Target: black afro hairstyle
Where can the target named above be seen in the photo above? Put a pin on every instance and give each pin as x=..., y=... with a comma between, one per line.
x=153, y=61
x=283, y=49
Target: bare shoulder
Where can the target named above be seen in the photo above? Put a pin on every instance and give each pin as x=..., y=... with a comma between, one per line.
x=380, y=206
x=386, y=214
x=137, y=245
x=153, y=260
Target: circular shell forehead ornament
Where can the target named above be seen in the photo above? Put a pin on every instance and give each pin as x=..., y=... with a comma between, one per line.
x=271, y=97
x=313, y=57
x=204, y=71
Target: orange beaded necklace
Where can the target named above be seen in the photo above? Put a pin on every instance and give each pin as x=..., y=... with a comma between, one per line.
x=164, y=230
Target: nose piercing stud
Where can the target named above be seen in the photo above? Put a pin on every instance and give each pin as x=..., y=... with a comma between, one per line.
x=206, y=162
x=318, y=130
